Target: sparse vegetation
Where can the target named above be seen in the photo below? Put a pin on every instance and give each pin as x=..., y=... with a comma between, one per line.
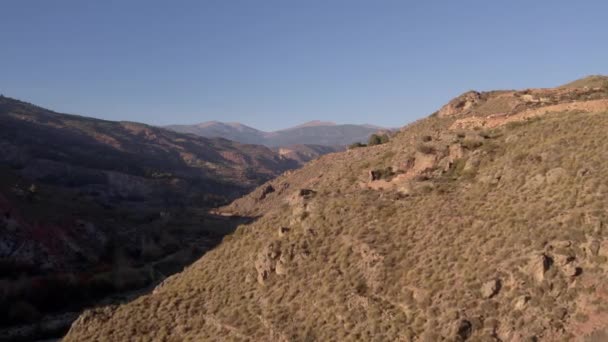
x=378, y=139
x=476, y=241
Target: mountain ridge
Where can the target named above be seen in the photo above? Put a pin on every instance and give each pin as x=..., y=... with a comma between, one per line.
x=314, y=132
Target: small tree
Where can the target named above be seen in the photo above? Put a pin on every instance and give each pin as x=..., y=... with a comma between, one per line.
x=377, y=139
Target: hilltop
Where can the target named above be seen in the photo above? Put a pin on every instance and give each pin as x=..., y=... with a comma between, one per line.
x=310, y=133
x=592, y=81
x=485, y=221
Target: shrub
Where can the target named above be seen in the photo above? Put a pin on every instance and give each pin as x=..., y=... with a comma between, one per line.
x=471, y=144
x=426, y=149
x=386, y=174
x=377, y=139
x=356, y=145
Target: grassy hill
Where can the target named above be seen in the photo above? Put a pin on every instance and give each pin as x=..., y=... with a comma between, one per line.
x=593, y=81
x=484, y=222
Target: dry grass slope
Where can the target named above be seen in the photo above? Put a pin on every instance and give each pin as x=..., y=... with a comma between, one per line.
x=483, y=235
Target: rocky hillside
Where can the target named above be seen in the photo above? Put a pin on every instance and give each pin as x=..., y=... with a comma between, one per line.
x=486, y=221
x=310, y=133
x=89, y=206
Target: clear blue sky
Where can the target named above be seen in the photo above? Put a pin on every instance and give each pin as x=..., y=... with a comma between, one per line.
x=277, y=63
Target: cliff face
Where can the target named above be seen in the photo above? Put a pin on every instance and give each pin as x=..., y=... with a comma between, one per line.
x=449, y=231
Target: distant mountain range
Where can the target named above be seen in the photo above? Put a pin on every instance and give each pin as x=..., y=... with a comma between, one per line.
x=310, y=133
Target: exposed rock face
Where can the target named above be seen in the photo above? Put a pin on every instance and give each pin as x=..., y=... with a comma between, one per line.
x=539, y=265
x=520, y=302
x=268, y=189
x=456, y=152
x=570, y=270
x=424, y=162
x=266, y=261
x=464, y=329
x=460, y=104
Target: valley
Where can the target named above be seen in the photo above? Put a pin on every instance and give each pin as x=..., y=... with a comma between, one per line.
x=303, y=171
x=93, y=210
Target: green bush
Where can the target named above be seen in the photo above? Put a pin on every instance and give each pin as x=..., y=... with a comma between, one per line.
x=377, y=139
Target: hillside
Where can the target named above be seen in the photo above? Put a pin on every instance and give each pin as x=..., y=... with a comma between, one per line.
x=91, y=207
x=305, y=153
x=310, y=133
x=593, y=81
x=485, y=221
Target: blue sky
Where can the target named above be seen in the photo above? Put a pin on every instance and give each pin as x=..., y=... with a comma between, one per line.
x=276, y=63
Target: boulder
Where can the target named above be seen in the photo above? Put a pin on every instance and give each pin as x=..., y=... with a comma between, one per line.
x=571, y=270
x=461, y=330
x=539, y=265
x=265, y=262
x=379, y=174
x=283, y=231
x=490, y=288
x=472, y=163
x=455, y=152
x=424, y=162
x=266, y=191
x=281, y=268
x=460, y=104
x=520, y=302
x=307, y=193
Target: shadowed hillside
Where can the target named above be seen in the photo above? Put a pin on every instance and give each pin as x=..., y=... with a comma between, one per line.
x=90, y=208
x=485, y=222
